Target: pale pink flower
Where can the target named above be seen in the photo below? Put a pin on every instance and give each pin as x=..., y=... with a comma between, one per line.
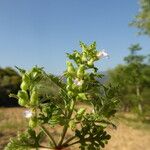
x=27, y=114
x=102, y=54
x=78, y=82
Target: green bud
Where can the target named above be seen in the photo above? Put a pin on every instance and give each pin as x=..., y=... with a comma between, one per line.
x=80, y=71
x=35, y=74
x=24, y=86
x=82, y=96
x=83, y=47
x=70, y=93
x=90, y=62
x=74, y=87
x=77, y=55
x=84, y=58
x=69, y=81
x=70, y=68
x=34, y=100
x=68, y=87
x=33, y=122
x=22, y=102
x=23, y=95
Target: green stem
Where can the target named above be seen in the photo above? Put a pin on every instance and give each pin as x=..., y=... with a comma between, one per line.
x=63, y=134
x=49, y=135
x=74, y=143
x=66, y=125
x=67, y=141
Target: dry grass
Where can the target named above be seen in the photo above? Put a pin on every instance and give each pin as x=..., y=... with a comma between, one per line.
x=11, y=121
x=130, y=135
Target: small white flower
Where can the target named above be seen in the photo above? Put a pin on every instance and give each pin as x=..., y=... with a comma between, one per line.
x=78, y=82
x=102, y=54
x=27, y=114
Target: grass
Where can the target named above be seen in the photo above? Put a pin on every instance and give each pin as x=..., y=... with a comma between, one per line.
x=133, y=121
x=11, y=121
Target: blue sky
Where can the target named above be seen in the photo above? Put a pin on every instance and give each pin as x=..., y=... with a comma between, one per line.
x=40, y=32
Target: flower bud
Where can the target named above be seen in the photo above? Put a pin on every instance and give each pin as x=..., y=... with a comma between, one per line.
x=24, y=86
x=90, y=62
x=22, y=102
x=69, y=81
x=23, y=95
x=68, y=87
x=34, y=100
x=82, y=96
x=70, y=93
x=84, y=58
x=70, y=68
x=77, y=55
x=80, y=71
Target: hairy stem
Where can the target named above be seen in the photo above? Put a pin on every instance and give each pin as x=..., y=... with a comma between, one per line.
x=66, y=125
x=74, y=143
x=49, y=135
x=67, y=141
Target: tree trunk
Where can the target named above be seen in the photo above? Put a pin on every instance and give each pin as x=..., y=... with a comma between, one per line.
x=139, y=100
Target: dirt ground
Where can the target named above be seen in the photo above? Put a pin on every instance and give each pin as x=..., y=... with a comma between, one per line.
x=127, y=138
x=124, y=137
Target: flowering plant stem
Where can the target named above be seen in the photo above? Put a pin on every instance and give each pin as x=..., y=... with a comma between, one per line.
x=66, y=125
x=48, y=135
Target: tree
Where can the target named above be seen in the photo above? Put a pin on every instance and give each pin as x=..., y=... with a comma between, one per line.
x=133, y=80
x=119, y=78
x=142, y=19
x=9, y=82
x=134, y=72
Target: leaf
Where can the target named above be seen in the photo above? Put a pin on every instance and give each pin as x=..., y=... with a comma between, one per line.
x=22, y=71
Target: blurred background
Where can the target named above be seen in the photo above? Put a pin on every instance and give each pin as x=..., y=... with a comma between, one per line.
x=35, y=32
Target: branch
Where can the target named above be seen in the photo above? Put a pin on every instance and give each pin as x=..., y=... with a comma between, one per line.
x=74, y=143
x=49, y=135
x=67, y=141
x=66, y=125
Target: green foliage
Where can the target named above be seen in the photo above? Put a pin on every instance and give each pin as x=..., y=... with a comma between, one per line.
x=50, y=109
x=92, y=136
x=25, y=141
x=9, y=83
x=133, y=81
x=142, y=19
x=133, y=57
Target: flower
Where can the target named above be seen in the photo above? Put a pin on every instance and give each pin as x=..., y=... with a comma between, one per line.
x=101, y=54
x=27, y=114
x=78, y=82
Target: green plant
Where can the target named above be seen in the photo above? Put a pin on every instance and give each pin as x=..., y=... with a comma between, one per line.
x=46, y=109
x=142, y=19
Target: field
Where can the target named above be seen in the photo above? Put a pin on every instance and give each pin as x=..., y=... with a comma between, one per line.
x=129, y=135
